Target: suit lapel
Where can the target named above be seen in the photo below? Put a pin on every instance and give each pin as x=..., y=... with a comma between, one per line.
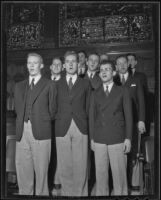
x=38, y=88
x=77, y=87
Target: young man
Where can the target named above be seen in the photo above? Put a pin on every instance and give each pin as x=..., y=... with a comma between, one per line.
x=71, y=129
x=56, y=69
x=34, y=105
x=111, y=131
x=56, y=74
x=82, y=68
x=92, y=72
x=138, y=105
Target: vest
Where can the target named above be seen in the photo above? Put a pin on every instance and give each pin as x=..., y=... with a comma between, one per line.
x=28, y=105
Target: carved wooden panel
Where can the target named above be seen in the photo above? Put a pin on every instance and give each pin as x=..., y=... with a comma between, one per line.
x=104, y=23
x=26, y=26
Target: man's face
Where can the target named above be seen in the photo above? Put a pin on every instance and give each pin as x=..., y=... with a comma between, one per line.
x=34, y=65
x=121, y=65
x=106, y=73
x=82, y=58
x=56, y=66
x=131, y=61
x=93, y=62
x=71, y=64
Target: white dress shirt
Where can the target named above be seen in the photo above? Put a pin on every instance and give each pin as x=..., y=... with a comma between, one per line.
x=74, y=78
x=56, y=77
x=89, y=74
x=125, y=76
x=36, y=79
x=109, y=86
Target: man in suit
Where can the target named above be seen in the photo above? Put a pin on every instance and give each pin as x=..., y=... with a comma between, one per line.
x=110, y=131
x=132, y=68
x=92, y=72
x=71, y=129
x=56, y=69
x=34, y=106
x=138, y=105
x=56, y=74
x=82, y=67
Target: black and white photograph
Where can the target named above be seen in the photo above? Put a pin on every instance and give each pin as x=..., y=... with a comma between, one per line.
x=80, y=100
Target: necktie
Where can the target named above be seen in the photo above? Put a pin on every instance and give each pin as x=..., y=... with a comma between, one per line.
x=91, y=76
x=32, y=84
x=123, y=80
x=54, y=79
x=107, y=91
x=70, y=83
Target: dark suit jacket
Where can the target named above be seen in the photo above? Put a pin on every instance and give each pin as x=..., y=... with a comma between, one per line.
x=43, y=108
x=137, y=95
x=111, y=117
x=72, y=104
x=143, y=79
x=95, y=81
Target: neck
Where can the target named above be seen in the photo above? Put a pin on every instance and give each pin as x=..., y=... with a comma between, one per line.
x=108, y=82
x=71, y=74
x=55, y=75
x=36, y=75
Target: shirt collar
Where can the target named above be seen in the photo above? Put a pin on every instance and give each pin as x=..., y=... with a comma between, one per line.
x=74, y=77
x=89, y=73
x=57, y=77
x=36, y=78
x=125, y=75
x=109, y=86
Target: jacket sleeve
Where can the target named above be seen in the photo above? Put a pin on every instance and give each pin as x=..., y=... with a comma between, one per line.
x=127, y=106
x=92, y=115
x=88, y=96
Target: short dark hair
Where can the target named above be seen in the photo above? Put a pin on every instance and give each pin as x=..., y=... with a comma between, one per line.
x=70, y=53
x=132, y=54
x=36, y=55
x=93, y=53
x=82, y=51
x=110, y=62
x=57, y=58
x=122, y=56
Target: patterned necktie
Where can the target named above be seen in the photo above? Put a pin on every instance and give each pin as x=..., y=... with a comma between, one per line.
x=32, y=84
x=70, y=83
x=123, y=80
x=107, y=91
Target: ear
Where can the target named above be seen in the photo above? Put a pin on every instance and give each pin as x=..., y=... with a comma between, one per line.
x=114, y=73
x=136, y=62
x=41, y=66
x=64, y=66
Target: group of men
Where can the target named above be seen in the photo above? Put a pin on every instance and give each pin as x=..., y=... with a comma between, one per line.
x=90, y=100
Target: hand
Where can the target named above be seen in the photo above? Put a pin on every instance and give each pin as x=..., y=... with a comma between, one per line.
x=92, y=145
x=127, y=146
x=141, y=127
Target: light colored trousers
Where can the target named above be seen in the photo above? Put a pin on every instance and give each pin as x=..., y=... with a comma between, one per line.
x=32, y=157
x=72, y=154
x=113, y=154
